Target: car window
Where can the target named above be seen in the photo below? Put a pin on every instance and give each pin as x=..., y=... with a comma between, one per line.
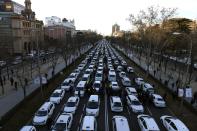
x=168, y=120
x=173, y=126
x=144, y=124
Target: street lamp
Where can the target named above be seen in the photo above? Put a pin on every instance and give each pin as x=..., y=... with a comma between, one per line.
x=188, y=64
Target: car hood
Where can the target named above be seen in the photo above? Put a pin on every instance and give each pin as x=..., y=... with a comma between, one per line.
x=137, y=107
x=69, y=109
x=40, y=119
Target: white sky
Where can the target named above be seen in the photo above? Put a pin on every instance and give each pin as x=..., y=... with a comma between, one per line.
x=100, y=15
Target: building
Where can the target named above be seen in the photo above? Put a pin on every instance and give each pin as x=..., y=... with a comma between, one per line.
x=20, y=32
x=61, y=30
x=52, y=21
x=116, y=31
x=11, y=6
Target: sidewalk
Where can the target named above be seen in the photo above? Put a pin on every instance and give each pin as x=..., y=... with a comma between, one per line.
x=8, y=101
x=171, y=76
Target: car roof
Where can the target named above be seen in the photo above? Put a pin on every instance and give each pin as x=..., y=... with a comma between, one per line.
x=63, y=118
x=156, y=96
x=57, y=91
x=132, y=97
x=88, y=123
x=132, y=89
x=86, y=75
x=148, y=85
x=139, y=78
x=72, y=98
x=81, y=84
x=179, y=124
x=116, y=98
x=99, y=82
x=45, y=106
x=126, y=79
x=93, y=98
x=121, y=123
x=26, y=128
x=114, y=82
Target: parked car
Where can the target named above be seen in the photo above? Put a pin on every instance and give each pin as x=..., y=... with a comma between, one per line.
x=173, y=124
x=120, y=123
x=139, y=81
x=130, y=69
x=116, y=104
x=147, y=123
x=158, y=101
x=44, y=112
x=93, y=104
x=63, y=123
x=57, y=96
x=134, y=104
x=28, y=128
x=89, y=123
x=72, y=104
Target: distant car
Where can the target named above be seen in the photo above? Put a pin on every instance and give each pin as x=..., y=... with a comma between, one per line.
x=97, y=85
x=134, y=104
x=89, y=123
x=28, y=128
x=72, y=77
x=99, y=76
x=147, y=123
x=139, y=81
x=63, y=123
x=72, y=104
x=116, y=104
x=114, y=86
x=57, y=96
x=119, y=68
x=173, y=124
x=158, y=101
x=122, y=74
x=43, y=114
x=93, y=104
x=126, y=81
x=66, y=85
x=148, y=88
x=130, y=69
x=131, y=91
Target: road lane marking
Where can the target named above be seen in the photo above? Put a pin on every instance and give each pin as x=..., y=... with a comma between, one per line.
x=149, y=111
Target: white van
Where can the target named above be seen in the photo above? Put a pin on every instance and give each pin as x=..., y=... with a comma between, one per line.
x=112, y=76
x=80, y=89
x=92, y=107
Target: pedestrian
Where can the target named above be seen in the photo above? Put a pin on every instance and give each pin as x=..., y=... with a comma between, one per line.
x=165, y=96
x=26, y=81
x=49, y=123
x=12, y=72
x=16, y=85
x=11, y=81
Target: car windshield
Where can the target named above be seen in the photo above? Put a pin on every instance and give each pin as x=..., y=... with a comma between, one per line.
x=135, y=103
x=98, y=75
x=87, y=72
x=160, y=99
x=117, y=104
x=70, y=104
x=60, y=126
x=92, y=105
x=97, y=85
x=84, y=79
x=55, y=95
x=114, y=84
x=65, y=84
x=71, y=76
x=41, y=113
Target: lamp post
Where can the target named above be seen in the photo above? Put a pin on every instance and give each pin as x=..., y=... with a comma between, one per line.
x=188, y=64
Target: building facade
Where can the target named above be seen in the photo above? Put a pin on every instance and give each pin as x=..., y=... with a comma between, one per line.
x=115, y=30
x=59, y=30
x=20, y=32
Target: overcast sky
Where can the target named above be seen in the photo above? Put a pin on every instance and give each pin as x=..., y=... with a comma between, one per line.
x=100, y=15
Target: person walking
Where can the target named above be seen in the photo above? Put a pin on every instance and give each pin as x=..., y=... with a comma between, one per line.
x=16, y=85
x=26, y=81
x=12, y=81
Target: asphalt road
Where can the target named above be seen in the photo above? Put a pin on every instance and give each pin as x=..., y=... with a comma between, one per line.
x=104, y=120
